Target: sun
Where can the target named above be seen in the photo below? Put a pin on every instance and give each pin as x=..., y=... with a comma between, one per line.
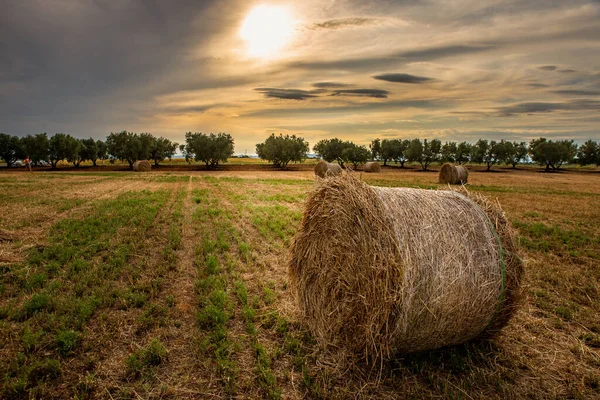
x=266, y=30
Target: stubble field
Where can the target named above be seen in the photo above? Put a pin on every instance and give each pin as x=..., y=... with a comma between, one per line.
x=174, y=285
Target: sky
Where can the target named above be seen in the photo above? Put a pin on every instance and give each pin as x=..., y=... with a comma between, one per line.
x=451, y=69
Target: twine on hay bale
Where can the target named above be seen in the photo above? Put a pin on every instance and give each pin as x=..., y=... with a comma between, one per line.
x=324, y=169
x=453, y=174
x=383, y=271
x=372, y=166
x=142, y=166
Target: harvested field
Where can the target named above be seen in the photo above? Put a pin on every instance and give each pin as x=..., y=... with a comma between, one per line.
x=175, y=285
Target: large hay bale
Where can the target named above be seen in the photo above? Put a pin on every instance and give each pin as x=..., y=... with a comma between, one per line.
x=372, y=166
x=453, y=174
x=382, y=271
x=142, y=166
x=325, y=169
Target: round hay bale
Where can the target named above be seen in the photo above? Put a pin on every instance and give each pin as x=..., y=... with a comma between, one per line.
x=324, y=169
x=142, y=166
x=373, y=166
x=453, y=174
x=448, y=174
x=463, y=174
x=383, y=271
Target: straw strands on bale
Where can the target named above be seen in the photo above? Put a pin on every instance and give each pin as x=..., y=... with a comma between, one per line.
x=383, y=271
x=142, y=166
x=325, y=169
x=453, y=174
x=373, y=166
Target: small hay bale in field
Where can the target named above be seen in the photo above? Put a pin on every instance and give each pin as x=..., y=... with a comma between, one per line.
x=453, y=174
x=373, y=166
x=325, y=169
x=142, y=166
x=384, y=271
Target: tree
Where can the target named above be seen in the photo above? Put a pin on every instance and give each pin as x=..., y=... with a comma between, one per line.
x=552, y=154
x=146, y=144
x=124, y=146
x=36, y=147
x=488, y=153
x=589, y=153
x=399, y=151
x=331, y=149
x=388, y=150
x=88, y=151
x=280, y=150
x=162, y=148
x=375, y=147
x=102, y=151
x=394, y=150
x=463, y=153
x=356, y=155
x=514, y=152
x=10, y=148
x=424, y=152
x=449, y=150
x=62, y=147
x=211, y=149
x=182, y=149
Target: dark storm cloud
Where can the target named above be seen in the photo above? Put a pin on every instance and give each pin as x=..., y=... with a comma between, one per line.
x=575, y=92
x=377, y=93
x=343, y=23
x=330, y=85
x=288, y=94
x=567, y=71
x=538, y=85
x=544, y=107
x=548, y=67
x=68, y=60
x=403, y=78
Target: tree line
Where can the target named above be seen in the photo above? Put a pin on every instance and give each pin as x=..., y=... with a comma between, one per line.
x=551, y=154
x=280, y=150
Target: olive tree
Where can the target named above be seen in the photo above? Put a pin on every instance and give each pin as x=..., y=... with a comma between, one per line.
x=281, y=150
x=125, y=146
x=424, y=152
x=162, y=148
x=62, y=147
x=211, y=149
x=331, y=149
x=10, y=149
x=356, y=155
x=552, y=154
x=589, y=153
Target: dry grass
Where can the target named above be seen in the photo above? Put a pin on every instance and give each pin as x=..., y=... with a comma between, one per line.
x=550, y=349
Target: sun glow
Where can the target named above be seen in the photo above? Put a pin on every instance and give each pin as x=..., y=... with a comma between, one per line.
x=266, y=30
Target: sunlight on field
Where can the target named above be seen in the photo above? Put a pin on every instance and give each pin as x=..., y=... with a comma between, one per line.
x=120, y=285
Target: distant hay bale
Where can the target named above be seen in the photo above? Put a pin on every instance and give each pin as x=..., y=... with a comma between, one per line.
x=373, y=166
x=142, y=166
x=325, y=169
x=453, y=174
x=385, y=271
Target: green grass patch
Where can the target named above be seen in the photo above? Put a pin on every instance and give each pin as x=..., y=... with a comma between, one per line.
x=145, y=359
x=539, y=236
